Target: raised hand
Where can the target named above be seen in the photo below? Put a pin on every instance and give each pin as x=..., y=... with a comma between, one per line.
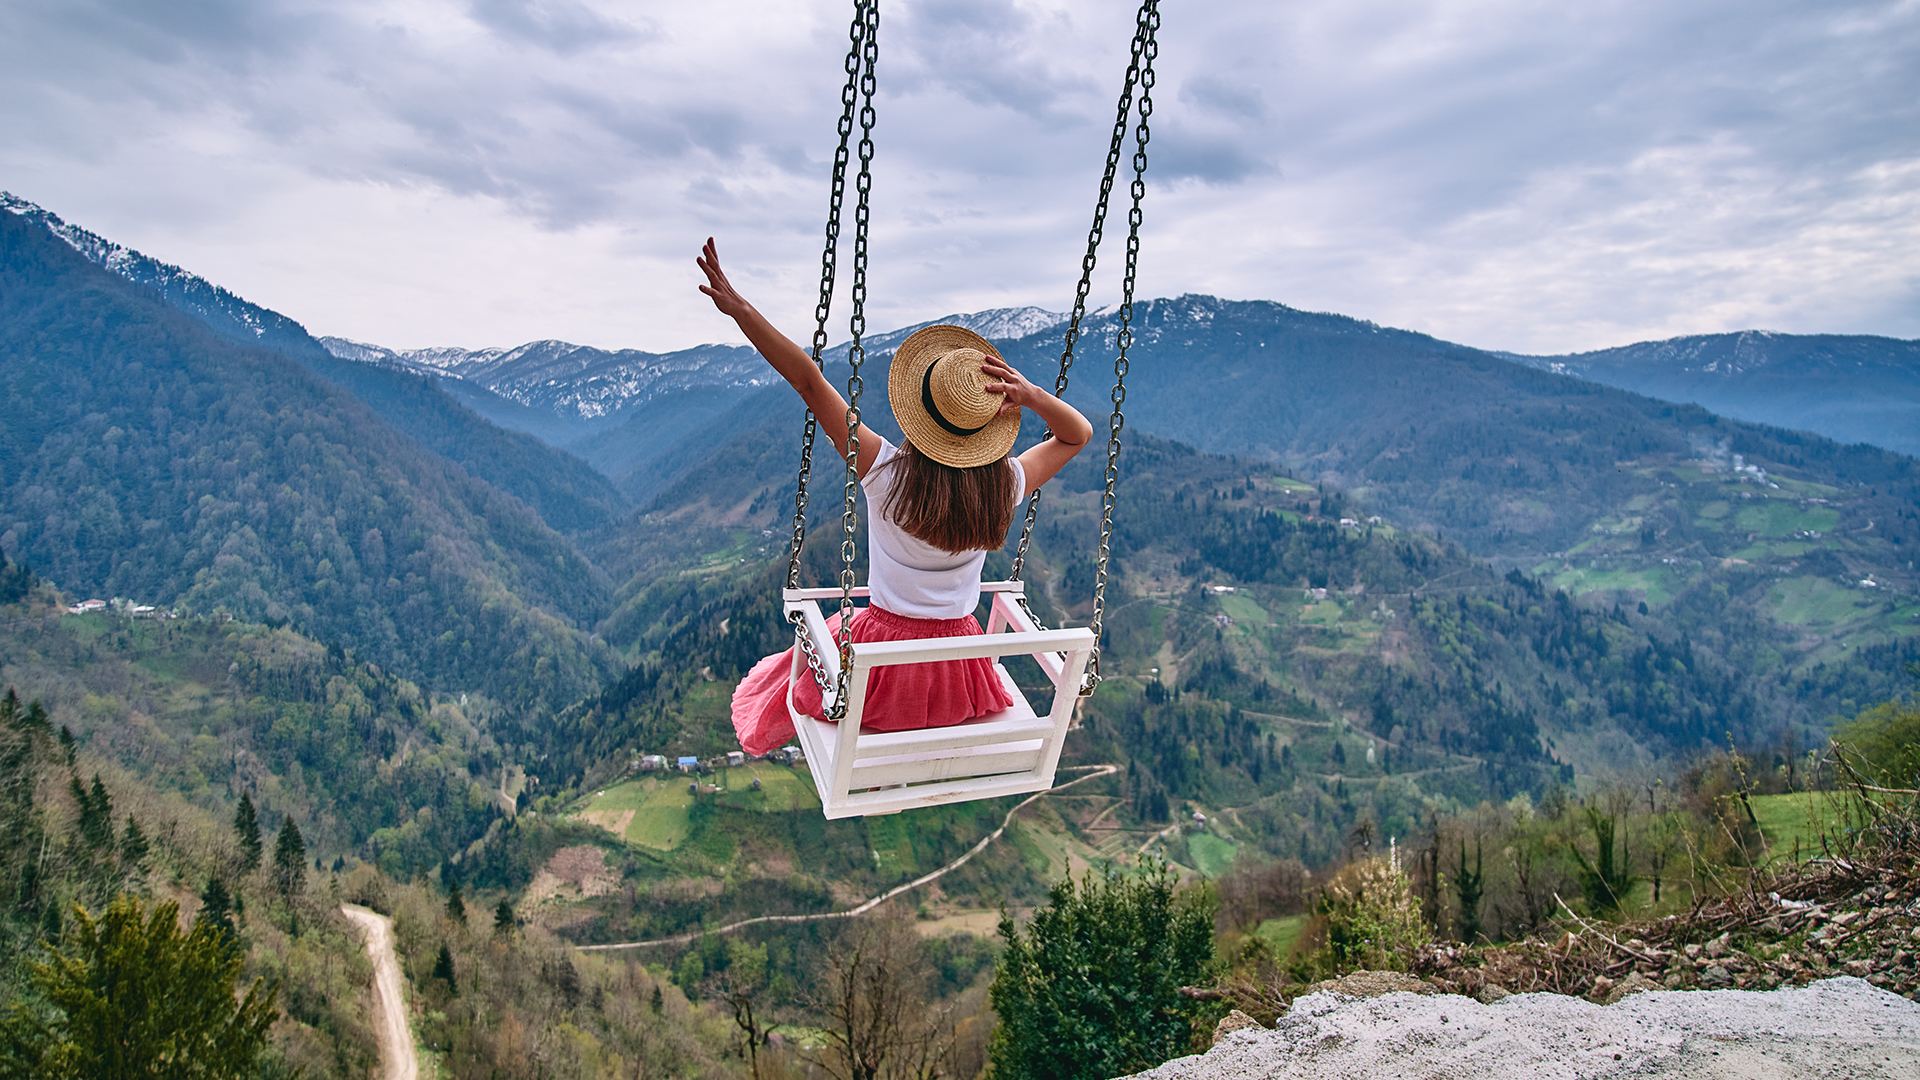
x=725, y=296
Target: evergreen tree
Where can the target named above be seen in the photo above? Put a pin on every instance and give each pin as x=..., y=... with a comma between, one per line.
x=128, y=996
x=246, y=834
x=456, y=904
x=1091, y=988
x=216, y=914
x=290, y=860
x=134, y=847
x=443, y=968
x=1469, y=885
x=503, y=918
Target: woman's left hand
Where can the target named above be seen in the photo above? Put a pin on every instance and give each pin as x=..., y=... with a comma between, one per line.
x=1020, y=393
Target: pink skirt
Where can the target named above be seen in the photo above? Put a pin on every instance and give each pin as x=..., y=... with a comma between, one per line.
x=900, y=697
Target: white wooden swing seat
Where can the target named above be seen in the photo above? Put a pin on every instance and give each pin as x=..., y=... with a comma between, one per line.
x=1010, y=752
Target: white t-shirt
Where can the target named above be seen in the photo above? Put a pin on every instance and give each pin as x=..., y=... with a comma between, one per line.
x=909, y=576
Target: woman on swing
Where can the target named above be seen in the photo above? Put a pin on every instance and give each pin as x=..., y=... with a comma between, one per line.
x=935, y=506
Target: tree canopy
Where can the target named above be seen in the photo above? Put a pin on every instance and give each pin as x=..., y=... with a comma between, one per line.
x=1091, y=988
x=127, y=995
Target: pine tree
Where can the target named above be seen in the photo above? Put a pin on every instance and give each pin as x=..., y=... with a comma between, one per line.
x=1091, y=988
x=246, y=834
x=1469, y=885
x=290, y=860
x=128, y=995
x=216, y=913
x=456, y=904
x=503, y=918
x=134, y=847
x=443, y=968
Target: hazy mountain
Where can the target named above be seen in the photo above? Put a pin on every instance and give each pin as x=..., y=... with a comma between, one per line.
x=596, y=403
x=1853, y=388
x=146, y=456
x=567, y=493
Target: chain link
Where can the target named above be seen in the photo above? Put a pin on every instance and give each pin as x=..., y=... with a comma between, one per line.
x=861, y=60
x=862, y=52
x=856, y=351
x=829, y=260
x=1149, y=27
x=1095, y=234
x=1146, y=48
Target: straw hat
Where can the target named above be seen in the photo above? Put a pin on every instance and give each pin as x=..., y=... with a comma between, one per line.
x=939, y=398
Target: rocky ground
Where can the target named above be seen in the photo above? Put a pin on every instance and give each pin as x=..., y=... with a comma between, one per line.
x=1836, y=1027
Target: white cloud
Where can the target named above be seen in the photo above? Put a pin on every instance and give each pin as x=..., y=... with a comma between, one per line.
x=1515, y=174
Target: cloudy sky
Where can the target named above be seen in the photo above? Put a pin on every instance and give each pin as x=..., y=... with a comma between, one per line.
x=1536, y=176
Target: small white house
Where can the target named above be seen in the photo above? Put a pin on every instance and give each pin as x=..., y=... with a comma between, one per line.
x=85, y=606
x=651, y=763
x=736, y=759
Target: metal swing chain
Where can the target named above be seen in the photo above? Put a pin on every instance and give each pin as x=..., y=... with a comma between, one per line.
x=861, y=56
x=1150, y=19
x=829, y=258
x=856, y=354
x=1139, y=73
x=1087, y=262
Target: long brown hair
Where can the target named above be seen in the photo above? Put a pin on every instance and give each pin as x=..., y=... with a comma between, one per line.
x=952, y=509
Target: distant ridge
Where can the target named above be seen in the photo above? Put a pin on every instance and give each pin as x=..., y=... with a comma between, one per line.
x=1852, y=387
x=566, y=493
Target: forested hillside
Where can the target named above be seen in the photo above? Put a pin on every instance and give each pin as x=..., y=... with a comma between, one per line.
x=1504, y=458
x=562, y=489
x=145, y=456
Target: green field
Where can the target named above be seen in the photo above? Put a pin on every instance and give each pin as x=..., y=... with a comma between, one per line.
x=891, y=838
x=1281, y=934
x=1212, y=856
x=781, y=788
x=659, y=808
x=660, y=805
x=1243, y=609
x=1321, y=613
x=1776, y=519
x=1814, y=601
x=1654, y=585
x=1800, y=818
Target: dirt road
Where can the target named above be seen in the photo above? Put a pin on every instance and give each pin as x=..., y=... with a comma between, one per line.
x=398, y=1058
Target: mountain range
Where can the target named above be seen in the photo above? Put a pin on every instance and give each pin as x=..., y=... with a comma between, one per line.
x=1853, y=388
x=1592, y=487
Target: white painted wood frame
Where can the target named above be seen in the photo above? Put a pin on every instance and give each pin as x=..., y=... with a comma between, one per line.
x=1010, y=752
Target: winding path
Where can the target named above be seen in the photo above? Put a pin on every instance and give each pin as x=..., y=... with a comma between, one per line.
x=874, y=902
x=399, y=1058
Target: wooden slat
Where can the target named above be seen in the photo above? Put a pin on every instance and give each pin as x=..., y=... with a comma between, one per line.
x=882, y=653
x=1007, y=725
x=976, y=761
x=894, y=800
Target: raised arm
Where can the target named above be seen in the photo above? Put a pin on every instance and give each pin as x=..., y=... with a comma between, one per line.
x=1070, y=430
x=790, y=360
